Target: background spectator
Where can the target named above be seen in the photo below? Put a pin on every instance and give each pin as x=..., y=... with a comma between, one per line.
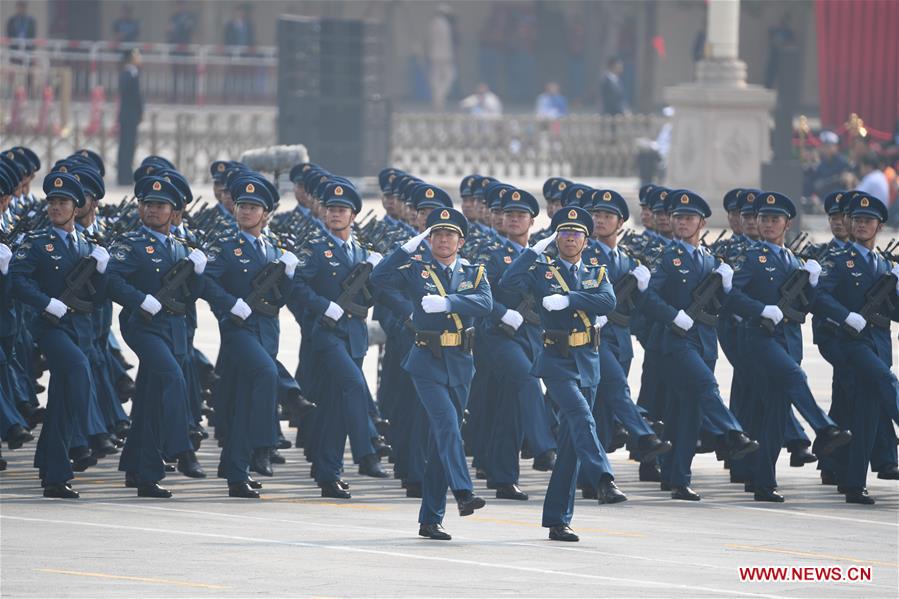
x=182, y=25
x=21, y=27
x=873, y=180
x=483, y=103
x=832, y=170
x=551, y=104
x=131, y=112
x=613, y=99
x=239, y=29
x=126, y=29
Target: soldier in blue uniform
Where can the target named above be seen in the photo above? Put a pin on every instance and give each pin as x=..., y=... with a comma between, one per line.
x=509, y=344
x=446, y=296
x=689, y=349
x=759, y=275
x=158, y=335
x=38, y=279
x=339, y=340
x=246, y=409
x=613, y=401
x=846, y=278
x=571, y=296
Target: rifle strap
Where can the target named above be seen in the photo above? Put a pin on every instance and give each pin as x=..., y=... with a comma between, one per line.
x=561, y=281
x=440, y=289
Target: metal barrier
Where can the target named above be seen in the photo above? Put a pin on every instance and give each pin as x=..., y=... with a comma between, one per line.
x=174, y=74
x=519, y=145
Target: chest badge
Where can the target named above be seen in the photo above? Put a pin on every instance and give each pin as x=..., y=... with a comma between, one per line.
x=238, y=252
x=424, y=274
x=548, y=275
x=328, y=253
x=850, y=263
x=49, y=247
x=594, y=261
x=465, y=285
x=150, y=249
x=590, y=284
x=507, y=259
x=676, y=262
x=763, y=259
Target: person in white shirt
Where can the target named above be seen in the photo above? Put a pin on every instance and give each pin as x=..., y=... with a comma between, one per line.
x=483, y=103
x=873, y=180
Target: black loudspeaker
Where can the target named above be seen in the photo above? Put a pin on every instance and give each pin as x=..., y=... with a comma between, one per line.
x=330, y=93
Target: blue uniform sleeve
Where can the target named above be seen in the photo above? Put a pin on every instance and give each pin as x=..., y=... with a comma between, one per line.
x=303, y=295
x=122, y=265
x=22, y=282
x=499, y=309
x=387, y=275
x=214, y=293
x=598, y=301
x=739, y=301
x=825, y=304
x=518, y=276
x=654, y=305
x=477, y=302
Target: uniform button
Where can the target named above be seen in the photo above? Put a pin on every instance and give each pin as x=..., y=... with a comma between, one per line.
x=57, y=268
x=683, y=280
x=333, y=274
x=349, y=315
x=157, y=270
x=245, y=270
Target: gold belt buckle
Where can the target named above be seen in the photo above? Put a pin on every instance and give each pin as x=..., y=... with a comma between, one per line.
x=448, y=339
x=579, y=339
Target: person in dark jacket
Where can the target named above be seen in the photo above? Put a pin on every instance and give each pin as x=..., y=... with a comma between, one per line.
x=131, y=111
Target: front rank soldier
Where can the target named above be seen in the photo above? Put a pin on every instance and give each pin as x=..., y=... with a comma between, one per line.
x=64, y=332
x=246, y=403
x=847, y=278
x=689, y=348
x=447, y=295
x=571, y=296
x=142, y=262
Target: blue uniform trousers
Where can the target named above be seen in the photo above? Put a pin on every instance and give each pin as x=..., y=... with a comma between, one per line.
x=579, y=448
x=446, y=465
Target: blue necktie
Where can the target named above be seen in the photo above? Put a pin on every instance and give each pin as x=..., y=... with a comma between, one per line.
x=260, y=245
x=73, y=245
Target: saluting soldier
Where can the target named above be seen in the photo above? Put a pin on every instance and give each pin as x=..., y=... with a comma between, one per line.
x=158, y=335
x=447, y=295
x=64, y=335
x=571, y=296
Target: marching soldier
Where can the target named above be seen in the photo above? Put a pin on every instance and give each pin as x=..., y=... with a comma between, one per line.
x=571, y=295
x=157, y=332
x=446, y=295
x=63, y=333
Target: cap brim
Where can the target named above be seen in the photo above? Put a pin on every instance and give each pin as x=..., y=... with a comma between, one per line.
x=448, y=226
x=572, y=227
x=868, y=212
x=341, y=202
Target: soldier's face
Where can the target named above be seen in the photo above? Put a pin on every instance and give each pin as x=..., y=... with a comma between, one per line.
x=571, y=244
x=733, y=219
x=662, y=221
x=606, y=224
x=445, y=243
x=217, y=189
x=60, y=210
x=389, y=204
x=226, y=201
x=646, y=217
x=338, y=218
x=156, y=215
x=517, y=223
x=496, y=220
x=249, y=215
x=837, y=226
x=750, y=224
x=864, y=228
x=469, y=207
x=687, y=226
x=299, y=193
x=773, y=227
x=421, y=218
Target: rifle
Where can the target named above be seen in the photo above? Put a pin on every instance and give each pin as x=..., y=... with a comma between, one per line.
x=354, y=283
x=705, y=296
x=796, y=241
x=526, y=308
x=624, y=294
x=174, y=283
x=878, y=303
x=266, y=280
x=77, y=281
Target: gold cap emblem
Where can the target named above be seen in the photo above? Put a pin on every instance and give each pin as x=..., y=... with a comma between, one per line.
x=157, y=185
x=57, y=182
x=572, y=213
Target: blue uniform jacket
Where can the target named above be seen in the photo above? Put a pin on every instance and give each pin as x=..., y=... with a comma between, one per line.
x=38, y=273
x=674, y=277
x=316, y=284
x=469, y=296
x=590, y=292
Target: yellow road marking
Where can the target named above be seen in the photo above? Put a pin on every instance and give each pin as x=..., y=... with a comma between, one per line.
x=613, y=533
x=180, y=583
x=839, y=558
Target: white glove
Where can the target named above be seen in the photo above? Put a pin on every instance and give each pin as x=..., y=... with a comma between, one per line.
x=102, y=257
x=5, y=257
x=602, y=321
x=643, y=275
x=241, y=309
x=541, y=245
x=290, y=261
x=374, y=258
x=856, y=321
x=513, y=319
x=334, y=312
x=814, y=271
x=683, y=320
x=773, y=314
x=411, y=245
x=556, y=301
x=151, y=305
x=434, y=304
x=56, y=308
x=199, y=260
x=727, y=276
